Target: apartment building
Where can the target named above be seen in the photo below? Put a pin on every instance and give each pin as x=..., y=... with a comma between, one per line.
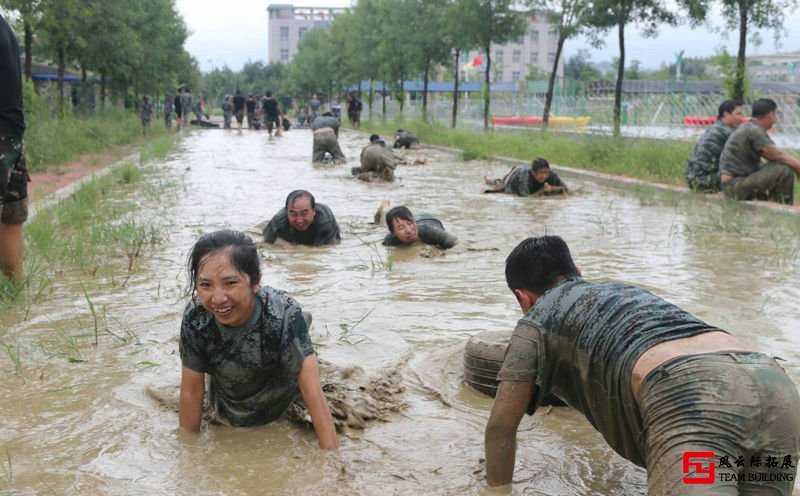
x=511, y=62
x=287, y=24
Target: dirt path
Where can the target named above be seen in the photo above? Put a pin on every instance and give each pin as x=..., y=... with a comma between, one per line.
x=57, y=176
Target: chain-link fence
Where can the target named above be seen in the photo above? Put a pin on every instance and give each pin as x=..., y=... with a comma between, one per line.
x=660, y=114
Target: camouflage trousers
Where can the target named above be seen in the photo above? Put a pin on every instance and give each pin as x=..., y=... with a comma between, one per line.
x=226, y=118
x=740, y=406
x=771, y=182
x=14, y=180
x=326, y=141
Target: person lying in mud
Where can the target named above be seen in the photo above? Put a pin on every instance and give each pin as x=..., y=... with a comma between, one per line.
x=404, y=229
x=404, y=139
x=536, y=180
x=656, y=381
x=377, y=162
x=326, y=139
x=303, y=221
x=251, y=340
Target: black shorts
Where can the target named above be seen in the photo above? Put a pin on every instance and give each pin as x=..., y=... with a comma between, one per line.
x=239, y=115
x=14, y=180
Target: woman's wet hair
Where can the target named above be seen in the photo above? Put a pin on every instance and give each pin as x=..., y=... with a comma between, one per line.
x=539, y=163
x=399, y=212
x=239, y=247
x=536, y=264
x=296, y=195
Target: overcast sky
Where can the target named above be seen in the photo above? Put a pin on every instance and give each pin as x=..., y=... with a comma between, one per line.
x=235, y=31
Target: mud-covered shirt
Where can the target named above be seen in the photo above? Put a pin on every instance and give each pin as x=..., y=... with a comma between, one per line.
x=580, y=341
x=253, y=368
x=405, y=140
x=375, y=157
x=323, y=229
x=522, y=182
x=704, y=161
x=430, y=231
x=325, y=121
x=741, y=155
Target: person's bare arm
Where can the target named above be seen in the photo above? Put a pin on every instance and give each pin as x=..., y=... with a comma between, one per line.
x=310, y=388
x=190, y=407
x=510, y=404
x=773, y=153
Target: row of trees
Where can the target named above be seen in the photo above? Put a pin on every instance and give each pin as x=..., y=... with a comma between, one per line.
x=132, y=45
x=396, y=40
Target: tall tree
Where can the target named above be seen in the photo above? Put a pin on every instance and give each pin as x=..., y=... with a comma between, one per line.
x=487, y=22
x=30, y=15
x=620, y=13
x=566, y=18
x=742, y=16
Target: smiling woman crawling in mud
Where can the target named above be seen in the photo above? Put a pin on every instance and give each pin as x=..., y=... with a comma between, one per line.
x=251, y=340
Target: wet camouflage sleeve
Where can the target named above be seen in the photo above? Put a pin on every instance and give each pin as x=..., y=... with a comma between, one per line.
x=391, y=240
x=276, y=226
x=191, y=348
x=519, y=182
x=328, y=232
x=554, y=180
x=434, y=235
x=296, y=341
x=704, y=160
x=521, y=363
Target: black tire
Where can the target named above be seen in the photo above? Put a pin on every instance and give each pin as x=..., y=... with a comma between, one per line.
x=483, y=358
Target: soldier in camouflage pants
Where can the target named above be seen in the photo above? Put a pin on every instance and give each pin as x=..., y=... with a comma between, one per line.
x=702, y=169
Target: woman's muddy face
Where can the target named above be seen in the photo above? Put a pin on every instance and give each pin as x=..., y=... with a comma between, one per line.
x=225, y=292
x=405, y=230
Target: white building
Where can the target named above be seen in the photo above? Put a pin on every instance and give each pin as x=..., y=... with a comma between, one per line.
x=774, y=67
x=510, y=62
x=514, y=61
x=288, y=23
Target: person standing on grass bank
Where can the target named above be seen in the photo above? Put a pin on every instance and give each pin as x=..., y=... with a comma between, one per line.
x=535, y=180
x=238, y=108
x=303, y=221
x=354, y=107
x=702, y=169
x=168, y=109
x=14, y=176
x=326, y=139
x=187, y=104
x=743, y=175
x=251, y=340
x=178, y=104
x=146, y=114
x=654, y=380
x=404, y=229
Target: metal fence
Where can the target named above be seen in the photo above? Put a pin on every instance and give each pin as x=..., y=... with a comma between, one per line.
x=642, y=114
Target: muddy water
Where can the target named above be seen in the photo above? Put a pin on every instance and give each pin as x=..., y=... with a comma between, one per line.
x=90, y=428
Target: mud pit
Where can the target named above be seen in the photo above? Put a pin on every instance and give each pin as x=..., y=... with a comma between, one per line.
x=91, y=427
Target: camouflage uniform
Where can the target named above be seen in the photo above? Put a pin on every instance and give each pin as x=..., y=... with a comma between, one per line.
x=741, y=158
x=13, y=171
x=323, y=230
x=326, y=141
x=168, y=110
x=430, y=231
x=227, y=113
x=253, y=369
x=405, y=139
x=520, y=182
x=580, y=341
x=186, y=105
x=702, y=169
x=376, y=160
x=146, y=113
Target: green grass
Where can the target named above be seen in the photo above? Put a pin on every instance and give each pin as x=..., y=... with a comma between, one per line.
x=52, y=141
x=654, y=160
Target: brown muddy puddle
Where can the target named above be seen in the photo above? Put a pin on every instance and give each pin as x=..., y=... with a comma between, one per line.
x=90, y=428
